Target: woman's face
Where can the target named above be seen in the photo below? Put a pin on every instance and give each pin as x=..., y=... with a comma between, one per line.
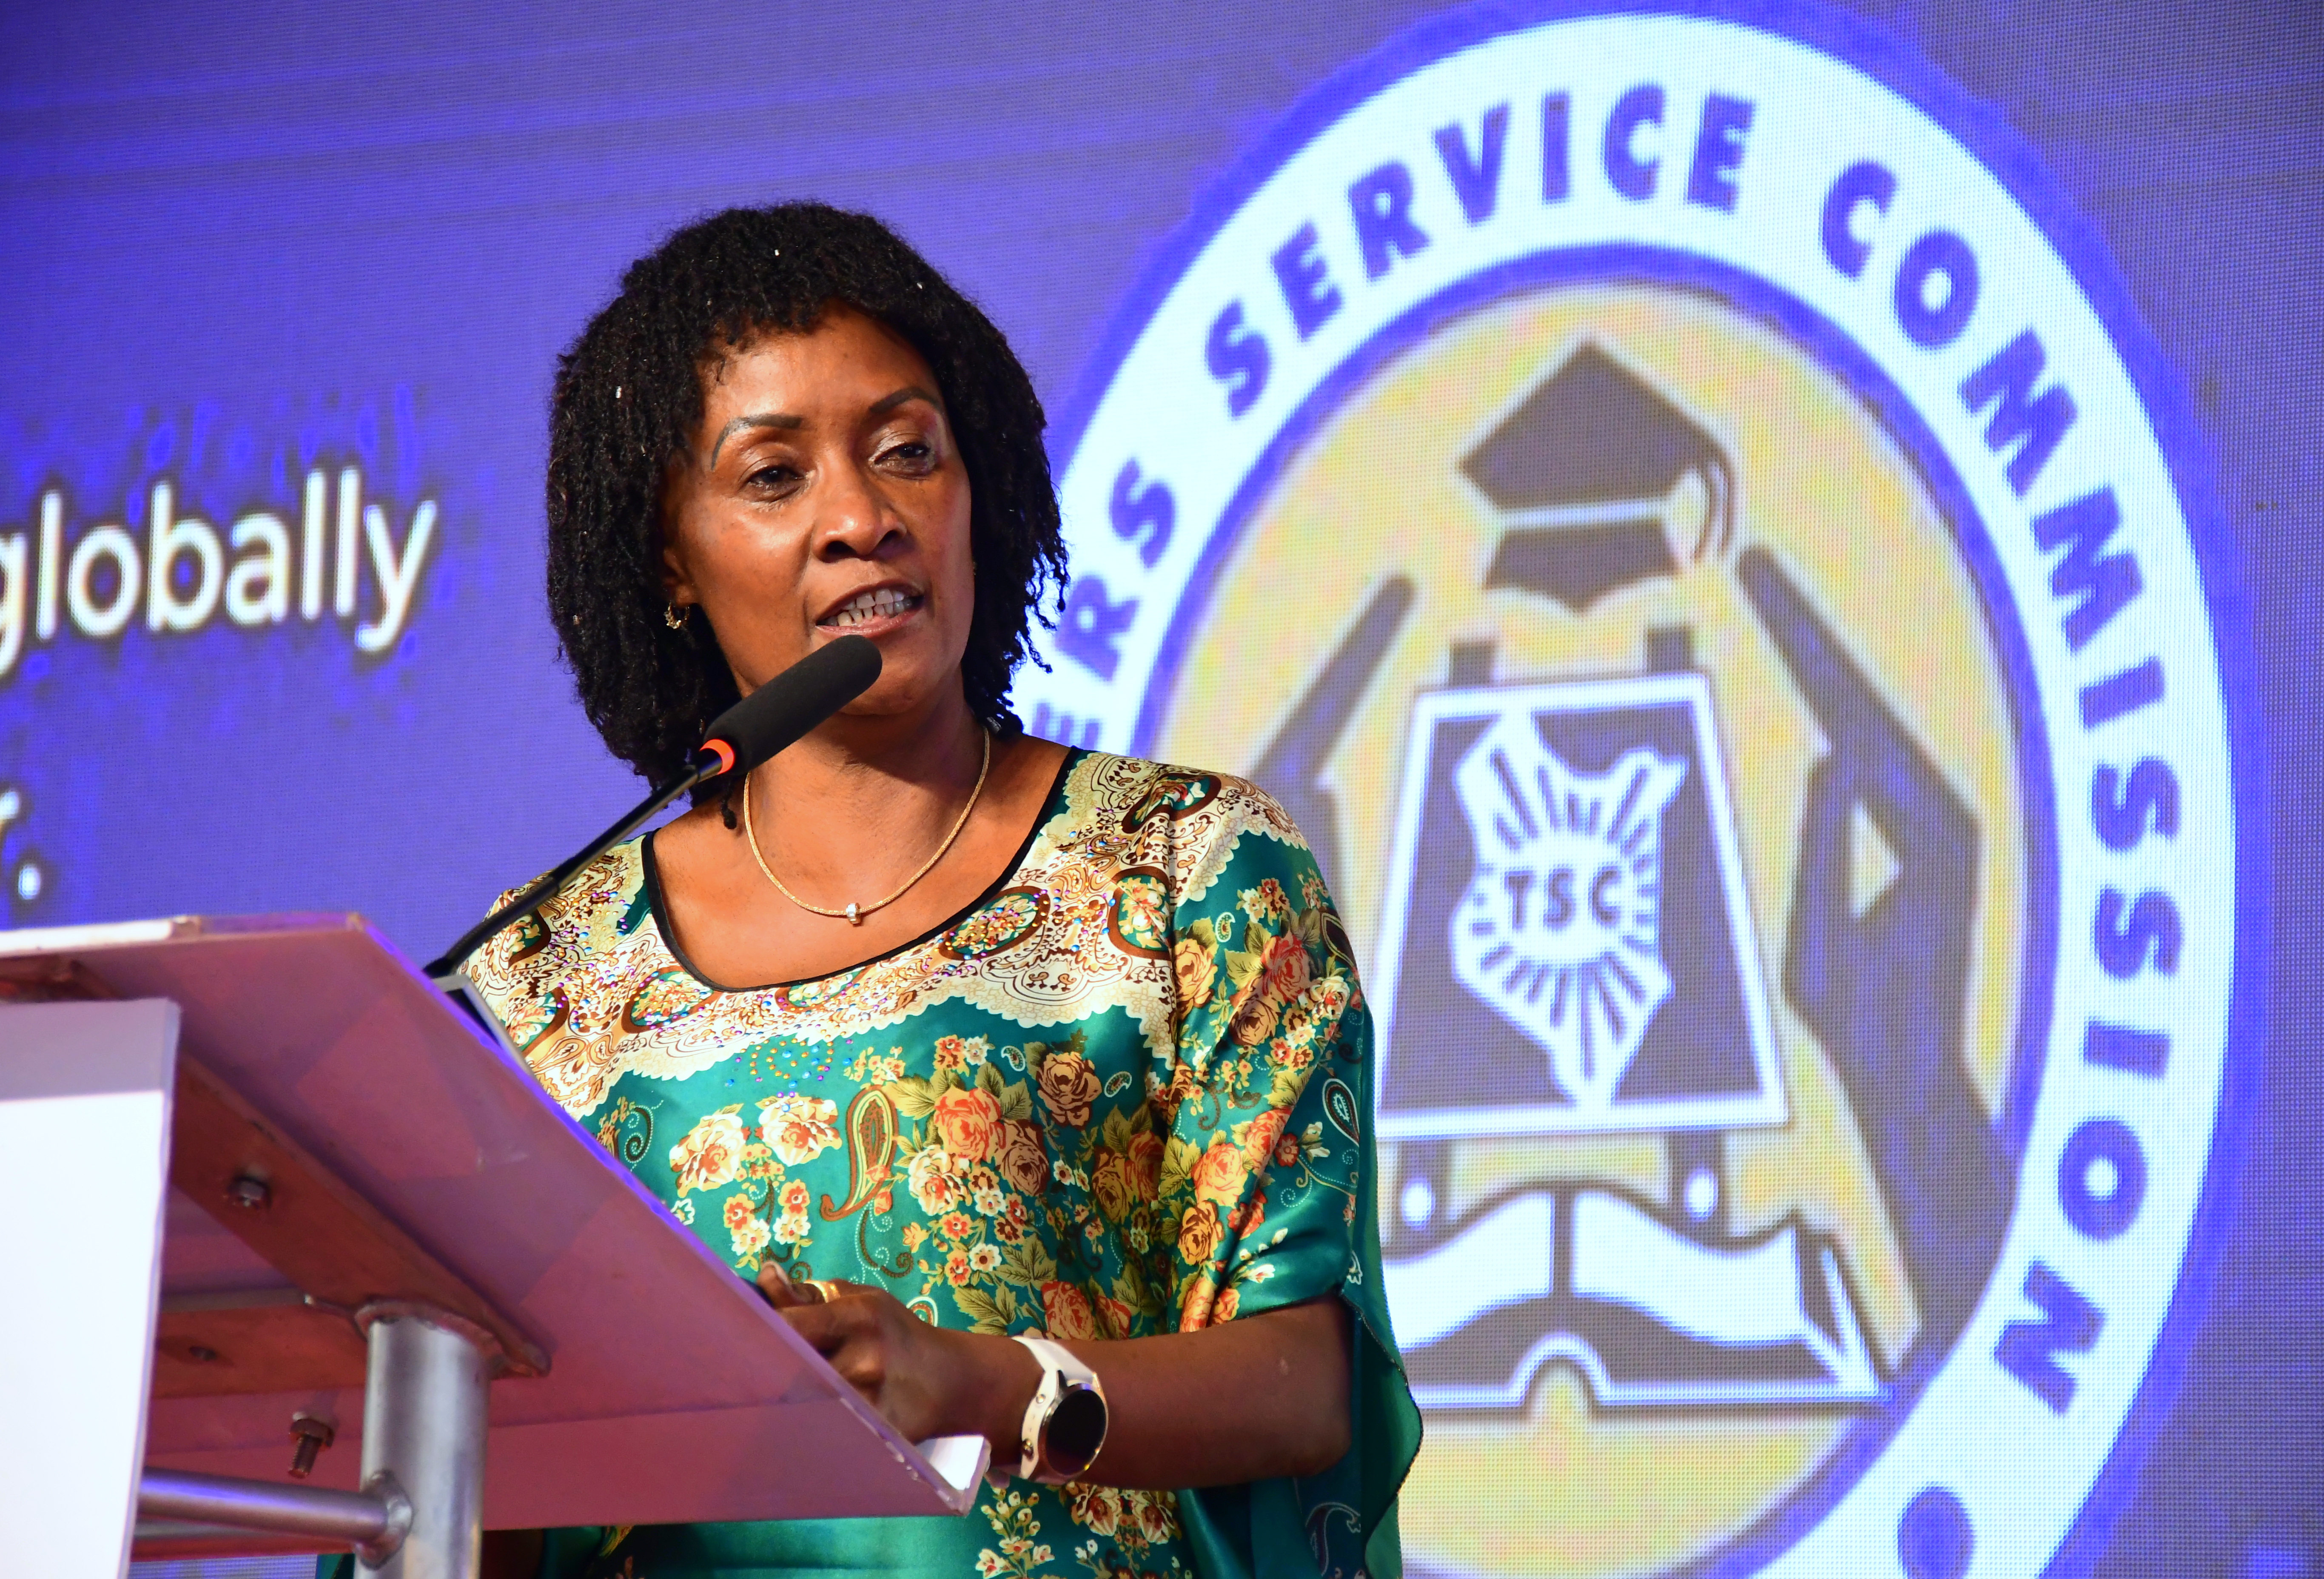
x=822, y=496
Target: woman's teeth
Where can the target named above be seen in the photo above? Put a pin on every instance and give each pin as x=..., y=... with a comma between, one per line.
x=872, y=605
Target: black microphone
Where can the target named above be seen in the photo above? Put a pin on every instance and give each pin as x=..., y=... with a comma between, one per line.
x=787, y=706
x=745, y=735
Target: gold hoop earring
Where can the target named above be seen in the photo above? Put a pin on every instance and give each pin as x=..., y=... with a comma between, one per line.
x=675, y=617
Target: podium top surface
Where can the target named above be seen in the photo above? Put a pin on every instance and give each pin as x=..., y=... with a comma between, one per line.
x=672, y=1393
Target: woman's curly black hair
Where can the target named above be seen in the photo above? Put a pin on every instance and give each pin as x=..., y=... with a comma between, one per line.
x=629, y=396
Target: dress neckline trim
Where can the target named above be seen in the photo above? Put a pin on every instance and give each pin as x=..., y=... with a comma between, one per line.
x=1051, y=809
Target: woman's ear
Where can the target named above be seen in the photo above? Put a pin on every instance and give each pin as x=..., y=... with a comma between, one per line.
x=677, y=586
x=677, y=579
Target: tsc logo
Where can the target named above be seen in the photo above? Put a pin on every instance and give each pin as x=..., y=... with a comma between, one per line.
x=1560, y=929
x=1678, y=533
x=1566, y=898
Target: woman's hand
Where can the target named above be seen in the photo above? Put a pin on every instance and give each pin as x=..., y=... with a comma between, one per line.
x=924, y=1380
x=1282, y=1374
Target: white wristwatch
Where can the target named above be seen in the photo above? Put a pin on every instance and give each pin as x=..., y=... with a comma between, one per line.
x=1064, y=1424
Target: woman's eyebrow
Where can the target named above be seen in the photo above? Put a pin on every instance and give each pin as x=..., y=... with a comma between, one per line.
x=910, y=392
x=756, y=420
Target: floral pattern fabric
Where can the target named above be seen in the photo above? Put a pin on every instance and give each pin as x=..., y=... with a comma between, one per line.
x=1126, y=1093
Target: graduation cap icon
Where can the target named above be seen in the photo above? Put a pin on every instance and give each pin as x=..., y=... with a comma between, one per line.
x=1588, y=471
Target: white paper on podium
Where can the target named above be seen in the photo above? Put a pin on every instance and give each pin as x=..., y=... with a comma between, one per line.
x=84, y=1154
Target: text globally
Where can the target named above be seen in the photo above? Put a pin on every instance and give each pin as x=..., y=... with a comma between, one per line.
x=183, y=573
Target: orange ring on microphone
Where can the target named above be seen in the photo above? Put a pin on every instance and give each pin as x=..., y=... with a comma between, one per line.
x=725, y=756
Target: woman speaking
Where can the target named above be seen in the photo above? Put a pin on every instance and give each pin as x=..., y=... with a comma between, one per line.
x=1030, y=1085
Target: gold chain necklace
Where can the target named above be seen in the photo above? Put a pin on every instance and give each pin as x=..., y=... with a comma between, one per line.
x=854, y=912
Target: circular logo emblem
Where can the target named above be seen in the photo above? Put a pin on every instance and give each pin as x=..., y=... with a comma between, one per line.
x=1669, y=509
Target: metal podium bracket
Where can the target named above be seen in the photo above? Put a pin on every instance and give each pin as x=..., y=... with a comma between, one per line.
x=419, y=1514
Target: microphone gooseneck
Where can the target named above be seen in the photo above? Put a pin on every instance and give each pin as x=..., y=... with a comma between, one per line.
x=741, y=737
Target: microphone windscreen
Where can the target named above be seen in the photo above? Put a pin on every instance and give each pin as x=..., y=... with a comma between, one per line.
x=797, y=699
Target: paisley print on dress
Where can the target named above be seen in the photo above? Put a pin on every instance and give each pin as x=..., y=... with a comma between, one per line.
x=1139, y=923
x=667, y=995
x=1001, y=925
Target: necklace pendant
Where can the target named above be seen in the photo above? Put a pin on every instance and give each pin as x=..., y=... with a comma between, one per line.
x=854, y=916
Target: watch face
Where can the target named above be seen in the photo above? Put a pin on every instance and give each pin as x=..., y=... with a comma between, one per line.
x=1076, y=1430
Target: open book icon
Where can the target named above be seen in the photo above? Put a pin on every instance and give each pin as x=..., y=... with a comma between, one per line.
x=1648, y=1314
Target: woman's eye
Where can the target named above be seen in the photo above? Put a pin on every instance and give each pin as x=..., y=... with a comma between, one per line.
x=769, y=477
x=912, y=454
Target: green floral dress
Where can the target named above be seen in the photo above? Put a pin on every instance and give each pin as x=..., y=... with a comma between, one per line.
x=1126, y=1092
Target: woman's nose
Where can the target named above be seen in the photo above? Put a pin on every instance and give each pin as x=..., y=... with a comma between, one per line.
x=855, y=519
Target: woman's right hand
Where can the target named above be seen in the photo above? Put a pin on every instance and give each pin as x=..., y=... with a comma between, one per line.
x=924, y=1381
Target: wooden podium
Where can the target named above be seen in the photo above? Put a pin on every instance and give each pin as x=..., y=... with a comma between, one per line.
x=377, y=1231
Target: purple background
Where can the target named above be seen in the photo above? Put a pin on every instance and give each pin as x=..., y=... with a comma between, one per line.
x=234, y=238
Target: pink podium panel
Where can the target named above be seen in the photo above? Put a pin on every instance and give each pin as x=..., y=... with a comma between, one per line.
x=344, y=1134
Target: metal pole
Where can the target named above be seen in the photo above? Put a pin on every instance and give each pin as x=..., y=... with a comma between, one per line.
x=423, y=1435
x=356, y=1518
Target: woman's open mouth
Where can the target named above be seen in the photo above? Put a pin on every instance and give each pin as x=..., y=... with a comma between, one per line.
x=872, y=609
